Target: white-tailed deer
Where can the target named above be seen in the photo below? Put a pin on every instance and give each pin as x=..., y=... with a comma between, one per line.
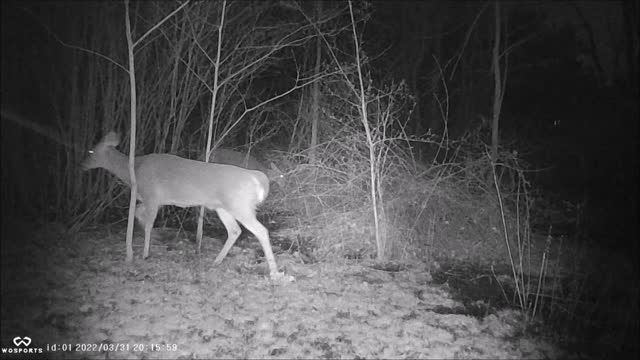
x=164, y=179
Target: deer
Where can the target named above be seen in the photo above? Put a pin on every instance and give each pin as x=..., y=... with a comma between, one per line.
x=164, y=179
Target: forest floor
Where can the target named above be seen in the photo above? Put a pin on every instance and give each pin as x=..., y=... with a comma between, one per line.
x=76, y=297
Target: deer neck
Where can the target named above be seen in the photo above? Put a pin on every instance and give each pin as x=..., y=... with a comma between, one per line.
x=118, y=165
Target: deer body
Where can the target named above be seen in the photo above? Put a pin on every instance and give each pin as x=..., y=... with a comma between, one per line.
x=211, y=185
x=247, y=161
x=164, y=179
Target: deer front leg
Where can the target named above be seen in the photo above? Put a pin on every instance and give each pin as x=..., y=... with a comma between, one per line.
x=146, y=214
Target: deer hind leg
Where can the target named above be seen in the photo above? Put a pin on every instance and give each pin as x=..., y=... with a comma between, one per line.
x=233, y=232
x=146, y=215
x=248, y=219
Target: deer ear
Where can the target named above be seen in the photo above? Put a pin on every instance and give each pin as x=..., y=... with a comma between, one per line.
x=111, y=139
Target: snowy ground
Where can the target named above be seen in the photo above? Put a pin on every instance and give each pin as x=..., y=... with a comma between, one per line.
x=80, y=292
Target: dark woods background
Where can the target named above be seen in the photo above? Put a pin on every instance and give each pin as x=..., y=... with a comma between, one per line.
x=571, y=104
x=570, y=107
